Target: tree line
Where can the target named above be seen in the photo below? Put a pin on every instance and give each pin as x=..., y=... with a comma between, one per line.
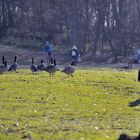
x=93, y=25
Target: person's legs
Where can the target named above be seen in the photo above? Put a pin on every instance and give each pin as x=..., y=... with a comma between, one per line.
x=49, y=58
x=44, y=57
x=75, y=59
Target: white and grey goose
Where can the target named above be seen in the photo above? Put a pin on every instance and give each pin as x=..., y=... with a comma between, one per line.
x=52, y=68
x=3, y=68
x=14, y=66
x=69, y=70
x=33, y=67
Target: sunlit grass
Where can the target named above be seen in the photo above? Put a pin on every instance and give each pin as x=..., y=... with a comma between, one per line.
x=94, y=104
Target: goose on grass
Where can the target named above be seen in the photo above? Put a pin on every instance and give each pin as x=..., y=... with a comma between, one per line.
x=69, y=70
x=52, y=68
x=14, y=66
x=41, y=67
x=33, y=67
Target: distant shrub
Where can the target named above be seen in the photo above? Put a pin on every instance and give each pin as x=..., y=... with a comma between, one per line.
x=23, y=43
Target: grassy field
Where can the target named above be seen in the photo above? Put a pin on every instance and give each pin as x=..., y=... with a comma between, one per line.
x=95, y=104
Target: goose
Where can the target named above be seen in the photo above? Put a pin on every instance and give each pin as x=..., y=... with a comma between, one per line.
x=33, y=67
x=3, y=68
x=52, y=68
x=14, y=66
x=42, y=66
x=3, y=58
x=69, y=70
x=126, y=67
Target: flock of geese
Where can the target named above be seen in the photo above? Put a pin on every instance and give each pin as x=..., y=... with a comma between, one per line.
x=51, y=68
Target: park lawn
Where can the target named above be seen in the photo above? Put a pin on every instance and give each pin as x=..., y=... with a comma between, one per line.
x=92, y=105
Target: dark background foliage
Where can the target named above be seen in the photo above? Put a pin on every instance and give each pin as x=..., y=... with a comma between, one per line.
x=95, y=26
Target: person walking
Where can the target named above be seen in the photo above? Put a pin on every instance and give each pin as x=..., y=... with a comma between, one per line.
x=74, y=53
x=47, y=52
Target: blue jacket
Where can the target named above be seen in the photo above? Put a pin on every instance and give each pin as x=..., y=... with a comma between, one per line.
x=47, y=49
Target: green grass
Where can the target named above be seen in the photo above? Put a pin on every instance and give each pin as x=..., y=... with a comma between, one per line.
x=92, y=105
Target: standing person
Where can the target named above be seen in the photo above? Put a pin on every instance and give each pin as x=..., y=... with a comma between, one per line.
x=74, y=53
x=47, y=52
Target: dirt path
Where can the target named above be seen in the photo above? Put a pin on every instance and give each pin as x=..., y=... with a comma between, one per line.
x=24, y=58
x=25, y=55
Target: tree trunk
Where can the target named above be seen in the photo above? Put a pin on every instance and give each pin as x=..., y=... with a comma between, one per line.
x=73, y=21
x=3, y=25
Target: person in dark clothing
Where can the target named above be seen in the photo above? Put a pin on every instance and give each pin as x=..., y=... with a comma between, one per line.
x=74, y=53
x=47, y=52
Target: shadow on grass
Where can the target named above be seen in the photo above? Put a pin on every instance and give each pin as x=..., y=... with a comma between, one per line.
x=134, y=103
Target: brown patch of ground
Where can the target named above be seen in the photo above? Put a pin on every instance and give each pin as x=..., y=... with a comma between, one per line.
x=25, y=55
